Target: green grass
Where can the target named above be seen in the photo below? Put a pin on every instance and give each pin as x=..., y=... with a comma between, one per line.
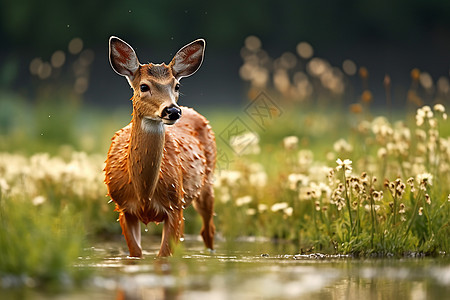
x=304, y=203
x=52, y=195
x=39, y=243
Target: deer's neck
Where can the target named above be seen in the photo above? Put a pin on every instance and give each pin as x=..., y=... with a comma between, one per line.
x=145, y=154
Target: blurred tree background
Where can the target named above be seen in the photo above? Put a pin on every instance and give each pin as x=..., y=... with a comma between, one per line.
x=385, y=36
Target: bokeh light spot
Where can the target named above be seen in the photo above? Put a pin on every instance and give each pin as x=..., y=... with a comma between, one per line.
x=58, y=59
x=75, y=46
x=252, y=43
x=349, y=67
x=305, y=50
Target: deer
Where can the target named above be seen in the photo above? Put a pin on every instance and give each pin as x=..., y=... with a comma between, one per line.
x=164, y=159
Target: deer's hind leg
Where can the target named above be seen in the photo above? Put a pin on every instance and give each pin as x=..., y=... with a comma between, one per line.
x=204, y=205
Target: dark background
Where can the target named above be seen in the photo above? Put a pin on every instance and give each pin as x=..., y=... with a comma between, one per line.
x=387, y=37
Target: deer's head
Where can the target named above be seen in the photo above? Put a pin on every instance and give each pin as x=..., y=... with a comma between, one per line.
x=156, y=85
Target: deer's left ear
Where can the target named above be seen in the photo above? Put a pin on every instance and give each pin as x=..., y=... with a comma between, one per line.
x=188, y=59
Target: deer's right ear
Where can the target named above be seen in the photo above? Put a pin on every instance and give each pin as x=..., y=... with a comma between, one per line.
x=122, y=57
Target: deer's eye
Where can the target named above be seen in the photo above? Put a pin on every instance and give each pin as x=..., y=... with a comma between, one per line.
x=144, y=88
x=177, y=87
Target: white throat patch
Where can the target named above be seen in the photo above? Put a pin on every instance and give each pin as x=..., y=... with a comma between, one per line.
x=154, y=126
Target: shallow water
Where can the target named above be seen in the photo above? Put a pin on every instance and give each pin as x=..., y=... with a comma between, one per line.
x=251, y=269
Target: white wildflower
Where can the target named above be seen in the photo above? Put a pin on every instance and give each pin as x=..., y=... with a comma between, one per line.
x=304, y=193
x=258, y=179
x=288, y=211
x=432, y=122
x=246, y=143
x=419, y=120
x=318, y=173
x=290, y=142
x=225, y=196
x=320, y=189
x=4, y=186
x=421, y=134
x=364, y=126
x=317, y=205
x=243, y=200
x=401, y=132
x=228, y=177
x=297, y=180
x=421, y=112
x=305, y=157
x=377, y=195
x=340, y=202
x=379, y=125
x=426, y=109
x=427, y=199
x=279, y=206
x=386, y=130
x=250, y=212
x=38, y=200
x=425, y=178
x=342, y=146
x=367, y=207
x=381, y=153
x=439, y=108
x=262, y=207
x=346, y=165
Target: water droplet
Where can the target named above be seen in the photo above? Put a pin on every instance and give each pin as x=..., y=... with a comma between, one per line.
x=129, y=11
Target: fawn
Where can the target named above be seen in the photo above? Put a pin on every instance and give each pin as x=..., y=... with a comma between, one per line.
x=164, y=159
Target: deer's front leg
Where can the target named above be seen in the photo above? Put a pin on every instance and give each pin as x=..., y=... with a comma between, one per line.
x=131, y=229
x=171, y=234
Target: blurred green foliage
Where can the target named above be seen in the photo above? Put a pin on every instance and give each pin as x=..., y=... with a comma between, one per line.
x=39, y=245
x=41, y=28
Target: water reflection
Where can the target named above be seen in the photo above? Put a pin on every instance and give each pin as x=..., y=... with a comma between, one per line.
x=248, y=270
x=262, y=270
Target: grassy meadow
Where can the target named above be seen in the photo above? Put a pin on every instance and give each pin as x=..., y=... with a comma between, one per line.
x=363, y=181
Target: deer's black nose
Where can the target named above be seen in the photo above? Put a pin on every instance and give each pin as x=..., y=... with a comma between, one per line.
x=171, y=113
